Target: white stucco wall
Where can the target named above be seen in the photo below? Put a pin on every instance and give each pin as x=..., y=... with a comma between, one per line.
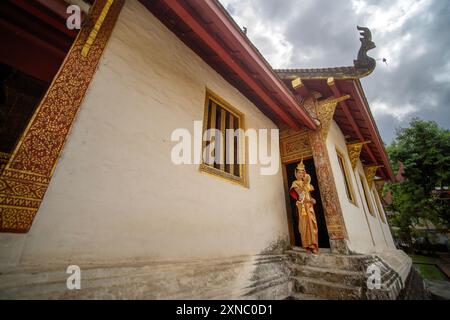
x=373, y=219
x=365, y=231
x=384, y=225
x=116, y=195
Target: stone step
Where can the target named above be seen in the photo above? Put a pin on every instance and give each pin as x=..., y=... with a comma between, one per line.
x=155, y=280
x=350, y=278
x=326, y=290
x=270, y=289
x=341, y=262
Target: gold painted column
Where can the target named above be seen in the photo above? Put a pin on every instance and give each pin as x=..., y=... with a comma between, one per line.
x=337, y=232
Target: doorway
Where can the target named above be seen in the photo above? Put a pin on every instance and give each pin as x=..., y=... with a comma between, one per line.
x=318, y=208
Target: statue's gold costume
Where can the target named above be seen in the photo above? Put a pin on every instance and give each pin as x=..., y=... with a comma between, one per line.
x=307, y=224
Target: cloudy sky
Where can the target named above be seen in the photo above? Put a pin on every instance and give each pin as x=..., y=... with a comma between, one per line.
x=413, y=35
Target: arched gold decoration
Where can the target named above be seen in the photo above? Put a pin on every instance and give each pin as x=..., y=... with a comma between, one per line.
x=370, y=172
x=354, y=151
x=294, y=145
x=325, y=112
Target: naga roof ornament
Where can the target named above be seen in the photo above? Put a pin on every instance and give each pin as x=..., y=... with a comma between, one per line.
x=364, y=62
x=362, y=66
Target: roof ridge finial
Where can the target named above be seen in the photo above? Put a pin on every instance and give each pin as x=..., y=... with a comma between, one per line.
x=364, y=62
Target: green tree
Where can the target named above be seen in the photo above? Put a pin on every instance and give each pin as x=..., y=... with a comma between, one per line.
x=424, y=150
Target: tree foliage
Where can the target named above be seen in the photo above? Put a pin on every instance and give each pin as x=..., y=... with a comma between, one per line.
x=424, y=150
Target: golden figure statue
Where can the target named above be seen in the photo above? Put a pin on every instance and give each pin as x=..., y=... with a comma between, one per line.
x=307, y=223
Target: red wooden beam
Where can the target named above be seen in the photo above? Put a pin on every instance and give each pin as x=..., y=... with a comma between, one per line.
x=31, y=55
x=300, y=88
x=56, y=7
x=345, y=109
x=373, y=131
x=234, y=35
x=227, y=58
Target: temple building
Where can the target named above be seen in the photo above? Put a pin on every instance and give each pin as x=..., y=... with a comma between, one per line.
x=87, y=177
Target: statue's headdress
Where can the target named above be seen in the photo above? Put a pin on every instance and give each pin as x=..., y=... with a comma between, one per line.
x=301, y=166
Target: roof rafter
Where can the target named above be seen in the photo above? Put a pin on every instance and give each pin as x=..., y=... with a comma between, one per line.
x=336, y=92
x=289, y=110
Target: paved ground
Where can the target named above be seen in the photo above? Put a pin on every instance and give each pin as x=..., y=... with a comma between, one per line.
x=444, y=263
x=440, y=289
x=436, y=273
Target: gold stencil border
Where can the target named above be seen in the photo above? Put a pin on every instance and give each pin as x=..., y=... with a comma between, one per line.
x=26, y=176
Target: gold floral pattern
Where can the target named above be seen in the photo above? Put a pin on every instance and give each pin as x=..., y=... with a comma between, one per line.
x=25, y=177
x=294, y=145
x=370, y=172
x=328, y=192
x=354, y=151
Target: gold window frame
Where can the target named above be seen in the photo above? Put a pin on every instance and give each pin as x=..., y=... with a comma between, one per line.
x=365, y=187
x=204, y=167
x=346, y=175
x=379, y=206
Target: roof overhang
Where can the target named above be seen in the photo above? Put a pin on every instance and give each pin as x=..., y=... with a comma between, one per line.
x=208, y=30
x=377, y=143
x=353, y=115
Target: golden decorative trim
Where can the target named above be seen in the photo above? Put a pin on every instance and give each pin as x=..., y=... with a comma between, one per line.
x=354, y=151
x=369, y=172
x=222, y=175
x=335, y=100
x=330, y=81
x=27, y=176
x=297, y=83
x=24, y=180
x=294, y=145
x=325, y=112
x=366, y=190
x=98, y=24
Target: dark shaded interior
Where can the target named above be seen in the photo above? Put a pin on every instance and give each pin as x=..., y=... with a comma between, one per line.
x=318, y=208
x=35, y=41
x=19, y=96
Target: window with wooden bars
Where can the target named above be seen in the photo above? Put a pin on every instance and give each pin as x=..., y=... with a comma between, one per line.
x=379, y=205
x=345, y=174
x=366, y=195
x=223, y=152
